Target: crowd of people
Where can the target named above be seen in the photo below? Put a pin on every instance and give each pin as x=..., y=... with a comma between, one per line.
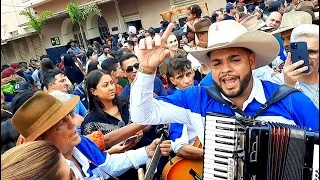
x=97, y=113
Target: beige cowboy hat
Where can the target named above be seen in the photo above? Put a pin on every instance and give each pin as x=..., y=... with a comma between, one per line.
x=267, y=29
x=252, y=23
x=229, y=33
x=305, y=5
x=40, y=113
x=292, y=19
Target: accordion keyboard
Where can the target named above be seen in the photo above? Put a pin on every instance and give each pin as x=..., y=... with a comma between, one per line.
x=223, y=140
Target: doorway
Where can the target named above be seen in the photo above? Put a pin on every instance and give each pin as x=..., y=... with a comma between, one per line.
x=136, y=24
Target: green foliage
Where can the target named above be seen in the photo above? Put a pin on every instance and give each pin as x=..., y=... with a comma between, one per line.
x=37, y=23
x=77, y=13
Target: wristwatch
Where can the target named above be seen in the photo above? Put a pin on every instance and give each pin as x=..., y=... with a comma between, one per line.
x=147, y=71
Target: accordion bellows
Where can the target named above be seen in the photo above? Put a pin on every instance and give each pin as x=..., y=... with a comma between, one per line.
x=245, y=149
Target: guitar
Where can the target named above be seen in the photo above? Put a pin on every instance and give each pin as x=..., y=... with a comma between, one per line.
x=157, y=154
x=184, y=169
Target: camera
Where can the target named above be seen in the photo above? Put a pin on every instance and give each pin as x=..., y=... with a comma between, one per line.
x=293, y=45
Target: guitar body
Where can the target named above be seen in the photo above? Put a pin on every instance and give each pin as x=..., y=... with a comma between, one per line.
x=179, y=170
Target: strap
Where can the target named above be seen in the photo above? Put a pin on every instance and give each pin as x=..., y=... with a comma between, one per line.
x=280, y=93
x=215, y=94
x=91, y=162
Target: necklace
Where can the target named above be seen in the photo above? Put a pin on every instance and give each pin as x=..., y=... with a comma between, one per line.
x=116, y=113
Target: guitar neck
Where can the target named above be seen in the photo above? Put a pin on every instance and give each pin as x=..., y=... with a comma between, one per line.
x=154, y=161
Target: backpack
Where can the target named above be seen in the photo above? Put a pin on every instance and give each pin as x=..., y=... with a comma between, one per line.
x=9, y=88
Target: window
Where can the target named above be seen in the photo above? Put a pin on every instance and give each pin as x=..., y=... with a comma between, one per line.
x=181, y=3
x=103, y=27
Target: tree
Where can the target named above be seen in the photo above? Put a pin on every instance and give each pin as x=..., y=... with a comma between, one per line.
x=37, y=23
x=77, y=14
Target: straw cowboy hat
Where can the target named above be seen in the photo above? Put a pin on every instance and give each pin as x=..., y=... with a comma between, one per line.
x=292, y=19
x=305, y=5
x=40, y=113
x=227, y=34
x=252, y=23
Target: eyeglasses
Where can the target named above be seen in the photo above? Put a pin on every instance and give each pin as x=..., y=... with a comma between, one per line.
x=313, y=54
x=130, y=68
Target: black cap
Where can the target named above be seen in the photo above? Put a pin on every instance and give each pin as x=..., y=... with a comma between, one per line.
x=108, y=62
x=21, y=86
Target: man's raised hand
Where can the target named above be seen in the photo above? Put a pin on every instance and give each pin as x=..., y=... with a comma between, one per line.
x=152, y=52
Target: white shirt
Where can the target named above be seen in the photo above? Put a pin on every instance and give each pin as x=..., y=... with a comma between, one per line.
x=136, y=49
x=188, y=137
x=101, y=58
x=263, y=73
x=35, y=76
x=310, y=90
x=146, y=110
x=115, y=164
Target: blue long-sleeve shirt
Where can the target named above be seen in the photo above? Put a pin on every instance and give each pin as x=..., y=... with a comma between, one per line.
x=158, y=89
x=191, y=105
x=80, y=109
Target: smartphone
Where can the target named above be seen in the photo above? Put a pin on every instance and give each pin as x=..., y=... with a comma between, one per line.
x=130, y=140
x=299, y=51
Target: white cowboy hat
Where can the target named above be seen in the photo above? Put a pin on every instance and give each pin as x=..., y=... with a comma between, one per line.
x=292, y=19
x=229, y=33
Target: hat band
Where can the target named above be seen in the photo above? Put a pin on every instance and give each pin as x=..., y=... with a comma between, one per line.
x=53, y=109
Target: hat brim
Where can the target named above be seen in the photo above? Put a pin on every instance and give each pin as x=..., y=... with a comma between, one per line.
x=266, y=29
x=63, y=111
x=205, y=29
x=280, y=30
x=264, y=45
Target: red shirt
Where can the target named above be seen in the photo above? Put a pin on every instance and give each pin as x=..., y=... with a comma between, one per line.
x=60, y=65
x=119, y=89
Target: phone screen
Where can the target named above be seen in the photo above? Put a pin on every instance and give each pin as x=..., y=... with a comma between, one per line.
x=130, y=140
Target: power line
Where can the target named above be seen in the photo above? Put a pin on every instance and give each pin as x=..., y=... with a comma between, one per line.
x=12, y=5
x=10, y=12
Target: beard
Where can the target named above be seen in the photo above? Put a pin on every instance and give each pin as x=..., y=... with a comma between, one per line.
x=244, y=83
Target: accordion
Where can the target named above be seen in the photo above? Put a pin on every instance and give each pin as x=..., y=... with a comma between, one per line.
x=236, y=148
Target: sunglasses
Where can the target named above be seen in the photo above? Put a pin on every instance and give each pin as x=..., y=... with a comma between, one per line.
x=130, y=68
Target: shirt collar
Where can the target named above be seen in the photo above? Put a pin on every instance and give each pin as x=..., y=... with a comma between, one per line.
x=257, y=93
x=82, y=160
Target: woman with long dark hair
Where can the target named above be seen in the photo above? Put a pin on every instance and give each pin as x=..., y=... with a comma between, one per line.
x=46, y=64
x=72, y=71
x=107, y=111
x=97, y=48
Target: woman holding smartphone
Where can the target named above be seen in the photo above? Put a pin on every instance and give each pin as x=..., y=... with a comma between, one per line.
x=106, y=111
